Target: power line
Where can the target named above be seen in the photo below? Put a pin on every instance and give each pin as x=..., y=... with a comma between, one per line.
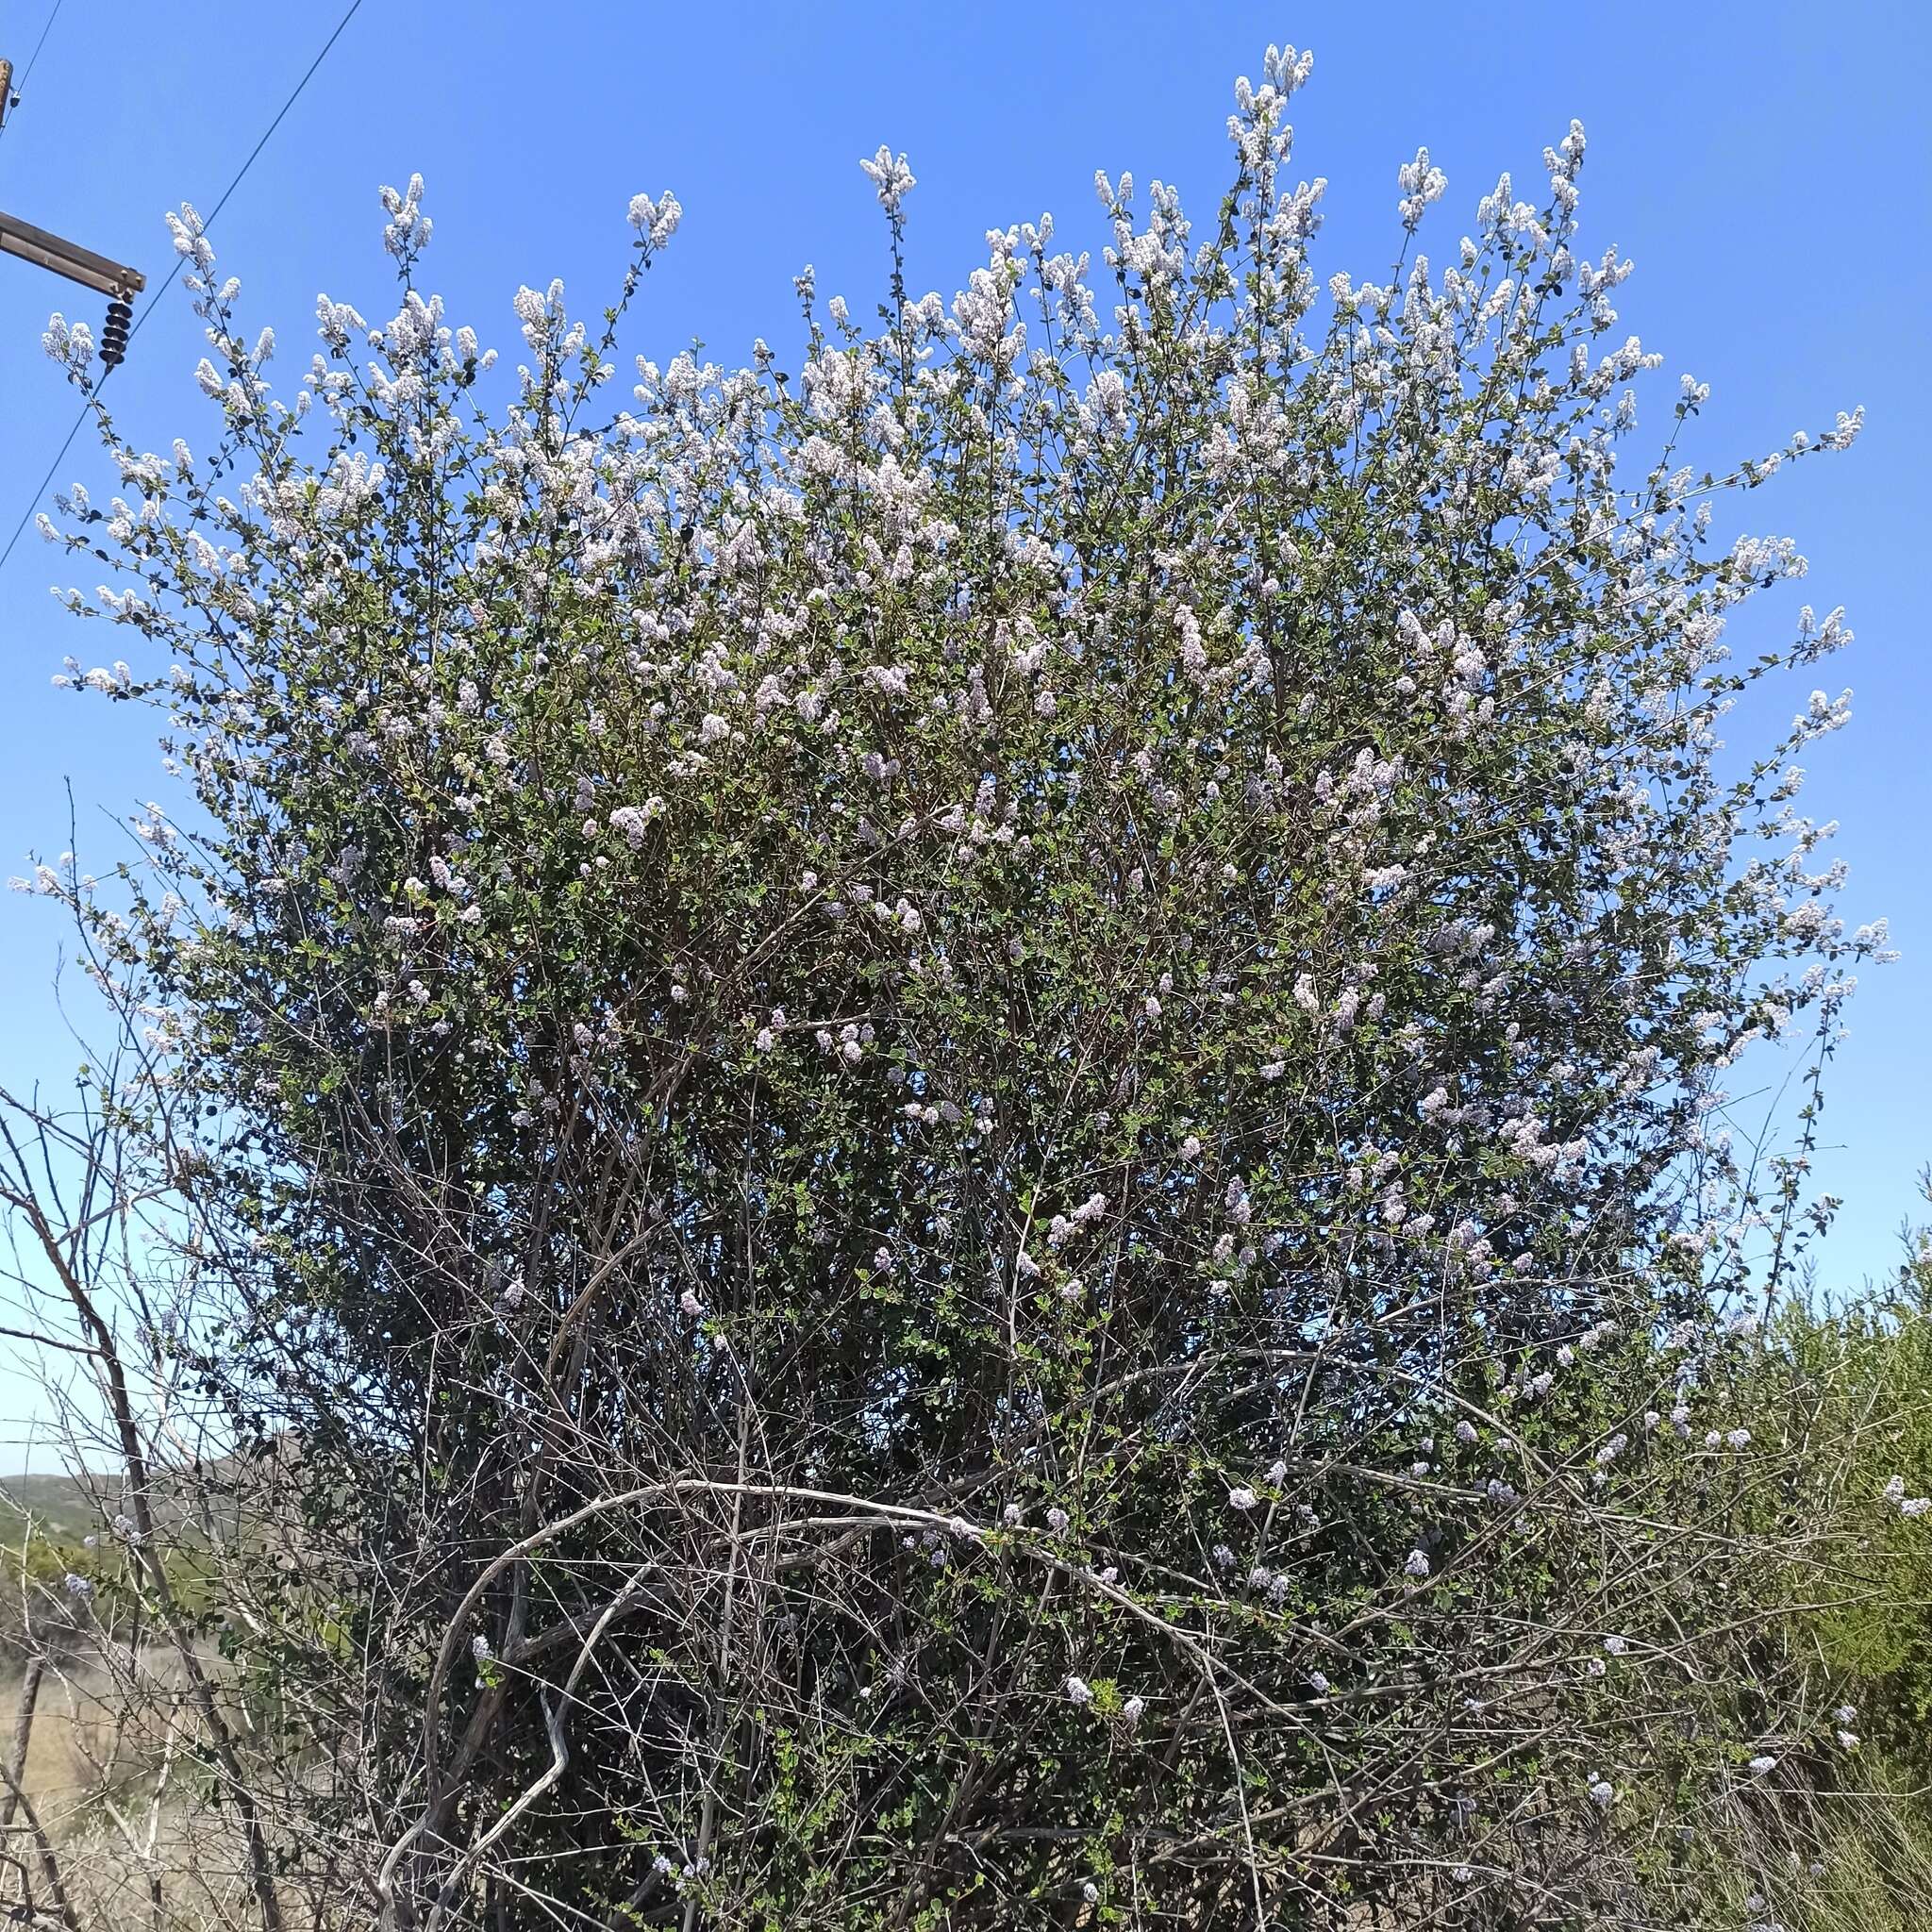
x=47, y=27
x=168, y=281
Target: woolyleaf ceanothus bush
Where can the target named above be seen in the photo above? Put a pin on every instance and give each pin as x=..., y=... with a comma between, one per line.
x=970, y=1104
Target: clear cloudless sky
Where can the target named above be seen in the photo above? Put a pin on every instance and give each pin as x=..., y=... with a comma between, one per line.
x=1766, y=163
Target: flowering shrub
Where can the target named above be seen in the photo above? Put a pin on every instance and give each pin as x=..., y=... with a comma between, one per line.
x=968, y=1103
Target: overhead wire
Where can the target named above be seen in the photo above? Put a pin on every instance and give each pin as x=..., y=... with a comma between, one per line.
x=148, y=306
x=27, y=72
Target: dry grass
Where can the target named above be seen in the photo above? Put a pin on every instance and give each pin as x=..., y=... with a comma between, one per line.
x=113, y=1778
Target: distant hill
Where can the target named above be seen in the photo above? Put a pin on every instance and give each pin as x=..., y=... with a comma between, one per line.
x=63, y=1508
x=225, y=1495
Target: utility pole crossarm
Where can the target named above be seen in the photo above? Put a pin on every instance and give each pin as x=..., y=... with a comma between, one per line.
x=68, y=258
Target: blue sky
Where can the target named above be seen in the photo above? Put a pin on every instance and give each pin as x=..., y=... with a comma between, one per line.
x=1766, y=165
